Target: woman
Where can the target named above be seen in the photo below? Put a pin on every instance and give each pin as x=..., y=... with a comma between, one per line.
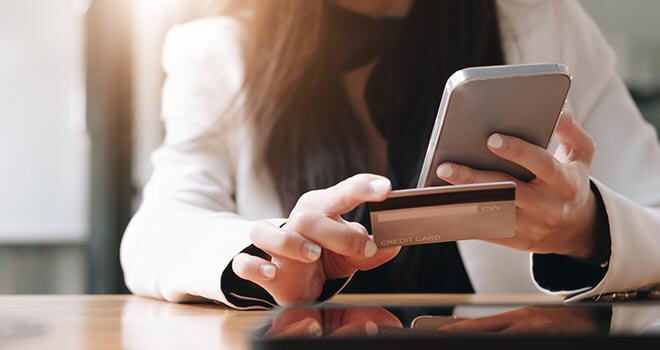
x=291, y=108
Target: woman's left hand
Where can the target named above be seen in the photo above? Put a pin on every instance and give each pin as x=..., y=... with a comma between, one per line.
x=556, y=211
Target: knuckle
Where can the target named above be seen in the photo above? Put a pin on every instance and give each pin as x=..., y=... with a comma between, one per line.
x=360, y=178
x=306, y=198
x=255, y=229
x=534, y=240
x=551, y=219
x=555, y=218
x=358, y=227
x=460, y=175
x=356, y=187
x=538, y=236
x=286, y=241
x=352, y=189
x=303, y=220
x=352, y=184
x=297, y=219
x=515, y=149
x=478, y=176
x=590, y=146
x=549, y=166
x=570, y=191
x=344, y=198
x=355, y=244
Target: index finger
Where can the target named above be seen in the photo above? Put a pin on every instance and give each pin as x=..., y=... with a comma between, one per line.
x=531, y=157
x=348, y=194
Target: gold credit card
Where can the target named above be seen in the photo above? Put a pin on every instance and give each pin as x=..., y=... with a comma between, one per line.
x=443, y=214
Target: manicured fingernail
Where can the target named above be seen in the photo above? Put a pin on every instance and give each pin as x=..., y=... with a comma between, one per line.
x=495, y=141
x=267, y=271
x=380, y=186
x=315, y=329
x=370, y=248
x=371, y=328
x=312, y=251
x=445, y=171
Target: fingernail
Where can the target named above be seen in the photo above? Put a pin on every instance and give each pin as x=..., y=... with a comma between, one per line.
x=495, y=141
x=371, y=328
x=370, y=248
x=445, y=171
x=312, y=251
x=380, y=186
x=315, y=329
x=267, y=271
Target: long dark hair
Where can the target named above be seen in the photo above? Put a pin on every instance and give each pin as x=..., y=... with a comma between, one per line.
x=309, y=138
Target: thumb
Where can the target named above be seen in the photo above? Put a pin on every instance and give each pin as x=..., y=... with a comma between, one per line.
x=575, y=143
x=382, y=256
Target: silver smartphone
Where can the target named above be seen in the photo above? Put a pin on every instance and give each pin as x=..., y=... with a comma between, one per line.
x=518, y=100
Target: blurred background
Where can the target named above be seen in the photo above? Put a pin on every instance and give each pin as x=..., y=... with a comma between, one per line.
x=80, y=97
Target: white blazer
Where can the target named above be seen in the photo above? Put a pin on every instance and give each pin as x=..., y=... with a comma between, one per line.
x=206, y=189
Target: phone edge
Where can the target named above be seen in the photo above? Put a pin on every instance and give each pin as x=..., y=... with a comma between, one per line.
x=465, y=75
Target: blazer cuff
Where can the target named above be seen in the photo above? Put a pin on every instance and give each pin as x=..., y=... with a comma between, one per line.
x=633, y=249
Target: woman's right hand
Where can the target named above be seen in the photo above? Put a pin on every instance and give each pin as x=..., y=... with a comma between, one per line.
x=316, y=243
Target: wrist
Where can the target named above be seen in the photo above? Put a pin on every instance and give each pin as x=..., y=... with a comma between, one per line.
x=592, y=243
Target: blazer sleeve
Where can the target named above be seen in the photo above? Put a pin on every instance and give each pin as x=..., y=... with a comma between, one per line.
x=186, y=230
x=625, y=171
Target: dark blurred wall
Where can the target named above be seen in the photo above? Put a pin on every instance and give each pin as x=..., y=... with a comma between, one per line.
x=110, y=121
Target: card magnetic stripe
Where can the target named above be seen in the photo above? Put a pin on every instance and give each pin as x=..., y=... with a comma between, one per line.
x=434, y=199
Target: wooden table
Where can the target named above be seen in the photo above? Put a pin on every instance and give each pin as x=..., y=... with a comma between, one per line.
x=131, y=322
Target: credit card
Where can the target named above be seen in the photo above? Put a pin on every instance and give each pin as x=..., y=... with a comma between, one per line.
x=433, y=322
x=444, y=214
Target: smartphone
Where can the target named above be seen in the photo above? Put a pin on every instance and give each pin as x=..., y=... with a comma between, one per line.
x=524, y=101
